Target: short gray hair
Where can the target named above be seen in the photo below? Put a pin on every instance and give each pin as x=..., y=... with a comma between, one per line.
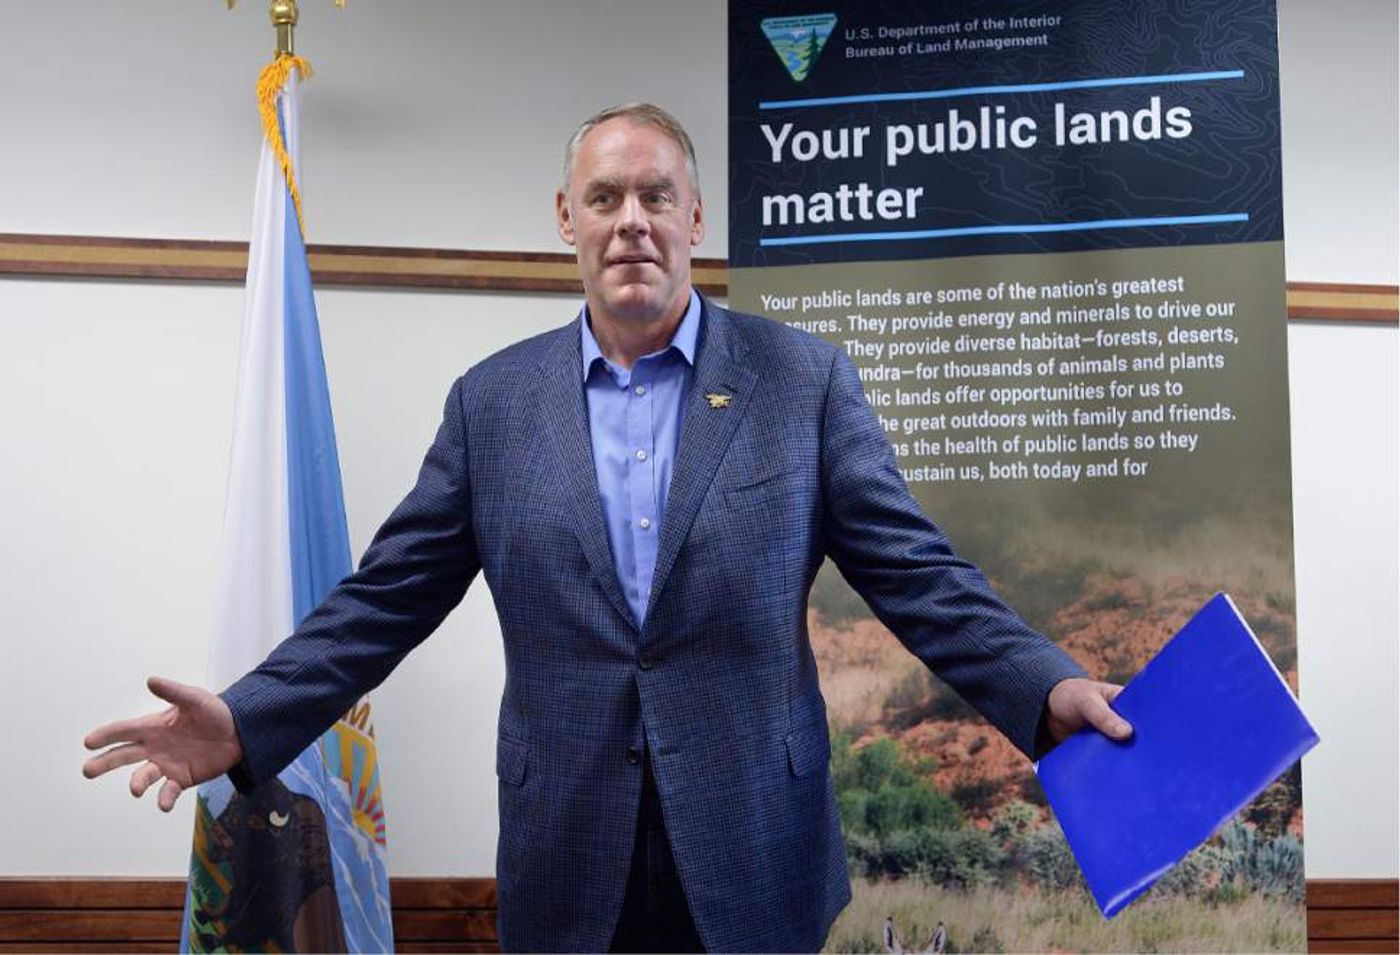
x=643, y=114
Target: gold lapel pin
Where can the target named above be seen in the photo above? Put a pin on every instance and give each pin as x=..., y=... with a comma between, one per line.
x=718, y=400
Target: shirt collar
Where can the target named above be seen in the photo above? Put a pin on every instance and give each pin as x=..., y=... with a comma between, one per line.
x=684, y=341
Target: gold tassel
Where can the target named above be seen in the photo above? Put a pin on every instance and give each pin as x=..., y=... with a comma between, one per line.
x=271, y=81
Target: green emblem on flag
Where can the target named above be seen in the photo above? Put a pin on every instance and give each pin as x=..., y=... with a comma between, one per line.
x=798, y=41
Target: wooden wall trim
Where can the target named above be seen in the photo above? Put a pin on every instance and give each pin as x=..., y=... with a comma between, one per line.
x=342, y=265
x=119, y=914
x=1347, y=915
x=188, y=260
x=1373, y=304
x=458, y=914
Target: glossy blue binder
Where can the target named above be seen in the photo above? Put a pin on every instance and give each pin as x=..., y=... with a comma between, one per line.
x=1214, y=724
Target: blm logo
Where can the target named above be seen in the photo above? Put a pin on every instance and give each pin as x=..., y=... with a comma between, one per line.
x=798, y=41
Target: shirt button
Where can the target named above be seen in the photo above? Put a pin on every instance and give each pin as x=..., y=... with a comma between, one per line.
x=634, y=755
x=640, y=389
x=644, y=523
x=647, y=661
x=641, y=454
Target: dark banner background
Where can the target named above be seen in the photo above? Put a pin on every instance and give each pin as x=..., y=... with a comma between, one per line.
x=1229, y=163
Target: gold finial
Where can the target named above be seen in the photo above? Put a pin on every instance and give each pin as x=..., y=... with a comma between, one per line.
x=283, y=14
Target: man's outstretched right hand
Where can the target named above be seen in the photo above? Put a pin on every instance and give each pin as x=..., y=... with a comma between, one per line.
x=189, y=742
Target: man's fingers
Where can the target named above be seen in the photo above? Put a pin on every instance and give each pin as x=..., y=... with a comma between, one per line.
x=122, y=731
x=171, y=691
x=120, y=756
x=1101, y=716
x=168, y=794
x=144, y=776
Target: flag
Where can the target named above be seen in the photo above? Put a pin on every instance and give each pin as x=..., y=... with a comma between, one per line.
x=301, y=864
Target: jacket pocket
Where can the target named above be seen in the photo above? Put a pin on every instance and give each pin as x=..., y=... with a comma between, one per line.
x=773, y=492
x=755, y=479
x=512, y=757
x=808, y=750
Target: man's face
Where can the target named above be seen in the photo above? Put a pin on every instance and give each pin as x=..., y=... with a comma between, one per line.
x=630, y=210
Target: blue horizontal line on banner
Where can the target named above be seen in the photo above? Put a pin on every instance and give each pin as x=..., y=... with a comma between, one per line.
x=1009, y=229
x=1010, y=88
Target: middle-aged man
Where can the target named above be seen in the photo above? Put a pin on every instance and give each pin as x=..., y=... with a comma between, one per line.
x=649, y=492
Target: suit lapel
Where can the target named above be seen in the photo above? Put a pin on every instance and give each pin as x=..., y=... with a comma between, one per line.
x=705, y=433
x=564, y=417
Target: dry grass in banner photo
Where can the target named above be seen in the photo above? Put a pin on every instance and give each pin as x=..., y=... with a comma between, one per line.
x=1023, y=920
x=943, y=818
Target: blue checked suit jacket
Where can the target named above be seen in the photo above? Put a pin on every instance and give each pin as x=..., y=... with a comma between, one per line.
x=719, y=683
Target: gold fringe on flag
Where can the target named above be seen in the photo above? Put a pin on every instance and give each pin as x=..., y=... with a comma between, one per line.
x=271, y=82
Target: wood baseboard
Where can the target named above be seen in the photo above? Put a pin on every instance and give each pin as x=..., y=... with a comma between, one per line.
x=143, y=915
x=459, y=915
x=1353, y=915
x=185, y=260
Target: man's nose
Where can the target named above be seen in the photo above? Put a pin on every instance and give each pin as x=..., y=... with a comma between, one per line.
x=631, y=216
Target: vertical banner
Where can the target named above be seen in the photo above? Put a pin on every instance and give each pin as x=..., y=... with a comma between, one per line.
x=1050, y=236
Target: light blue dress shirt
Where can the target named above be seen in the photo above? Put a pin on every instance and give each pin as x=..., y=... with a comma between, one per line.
x=634, y=420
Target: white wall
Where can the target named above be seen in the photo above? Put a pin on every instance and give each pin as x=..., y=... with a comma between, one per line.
x=1341, y=199
x=440, y=124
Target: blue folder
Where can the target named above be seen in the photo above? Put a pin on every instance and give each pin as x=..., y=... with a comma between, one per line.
x=1214, y=724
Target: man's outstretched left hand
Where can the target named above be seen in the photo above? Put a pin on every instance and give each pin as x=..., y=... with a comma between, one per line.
x=1076, y=703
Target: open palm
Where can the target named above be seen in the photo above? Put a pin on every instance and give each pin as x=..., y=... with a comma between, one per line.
x=190, y=741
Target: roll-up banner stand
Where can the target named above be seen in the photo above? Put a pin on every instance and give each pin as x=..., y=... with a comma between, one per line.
x=1050, y=236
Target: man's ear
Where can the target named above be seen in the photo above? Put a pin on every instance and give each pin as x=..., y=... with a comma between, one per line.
x=697, y=223
x=565, y=220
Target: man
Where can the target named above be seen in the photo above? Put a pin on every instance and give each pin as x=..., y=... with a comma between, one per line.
x=649, y=492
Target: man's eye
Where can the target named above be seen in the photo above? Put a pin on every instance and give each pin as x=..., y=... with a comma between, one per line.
x=658, y=198
x=601, y=199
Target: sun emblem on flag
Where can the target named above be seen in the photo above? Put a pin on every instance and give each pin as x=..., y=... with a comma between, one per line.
x=351, y=755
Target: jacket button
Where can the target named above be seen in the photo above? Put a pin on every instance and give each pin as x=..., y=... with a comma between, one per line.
x=647, y=661
x=634, y=756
